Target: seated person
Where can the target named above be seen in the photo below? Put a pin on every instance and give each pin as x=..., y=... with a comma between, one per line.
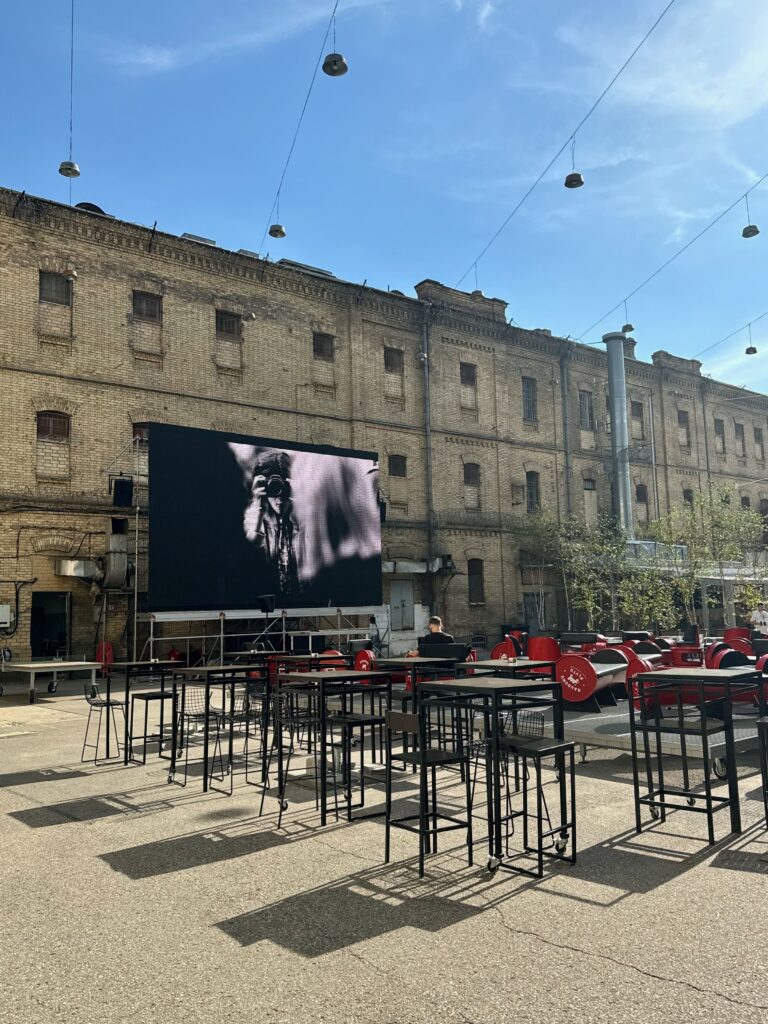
x=436, y=635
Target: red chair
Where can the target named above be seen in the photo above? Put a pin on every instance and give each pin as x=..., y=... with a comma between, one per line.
x=509, y=646
x=365, y=661
x=105, y=654
x=543, y=648
x=737, y=633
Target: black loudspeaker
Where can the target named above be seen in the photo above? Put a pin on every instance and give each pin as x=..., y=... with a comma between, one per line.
x=266, y=603
x=122, y=492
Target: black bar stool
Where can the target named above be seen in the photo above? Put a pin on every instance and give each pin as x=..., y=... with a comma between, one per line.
x=147, y=696
x=98, y=703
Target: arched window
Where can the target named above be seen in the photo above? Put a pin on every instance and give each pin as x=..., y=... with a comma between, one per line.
x=745, y=501
x=53, y=426
x=475, y=581
x=688, y=496
x=398, y=465
x=590, y=501
x=641, y=494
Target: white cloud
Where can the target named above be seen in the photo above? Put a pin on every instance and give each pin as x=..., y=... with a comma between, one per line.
x=484, y=14
x=707, y=61
x=292, y=18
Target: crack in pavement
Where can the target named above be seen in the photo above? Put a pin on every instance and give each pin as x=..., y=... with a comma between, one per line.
x=632, y=967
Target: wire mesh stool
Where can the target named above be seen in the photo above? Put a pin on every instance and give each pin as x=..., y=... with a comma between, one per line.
x=98, y=703
x=191, y=716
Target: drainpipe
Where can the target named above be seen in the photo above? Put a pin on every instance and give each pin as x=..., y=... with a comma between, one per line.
x=617, y=393
x=653, y=457
x=424, y=359
x=564, y=397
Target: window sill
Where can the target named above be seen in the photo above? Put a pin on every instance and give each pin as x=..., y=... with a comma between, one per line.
x=54, y=302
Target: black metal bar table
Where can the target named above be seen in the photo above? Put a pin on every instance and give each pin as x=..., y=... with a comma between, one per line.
x=491, y=689
x=129, y=670
x=711, y=692
x=331, y=682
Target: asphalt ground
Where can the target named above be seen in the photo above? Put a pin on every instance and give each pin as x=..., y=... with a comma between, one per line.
x=125, y=898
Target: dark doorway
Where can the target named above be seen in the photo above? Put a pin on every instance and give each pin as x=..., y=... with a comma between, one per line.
x=49, y=626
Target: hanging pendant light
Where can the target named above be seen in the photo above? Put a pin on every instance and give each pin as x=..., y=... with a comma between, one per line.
x=750, y=349
x=277, y=230
x=751, y=229
x=334, y=64
x=573, y=179
x=68, y=168
x=628, y=327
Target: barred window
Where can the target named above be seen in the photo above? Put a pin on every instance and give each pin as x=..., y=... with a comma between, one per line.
x=586, y=411
x=322, y=347
x=759, y=448
x=471, y=485
x=638, y=421
x=720, y=436
x=475, y=581
x=468, y=374
x=228, y=325
x=393, y=360
x=641, y=494
x=53, y=426
x=683, y=429
x=55, y=288
x=530, y=400
x=741, y=446
x=147, y=306
x=532, y=499
x=398, y=465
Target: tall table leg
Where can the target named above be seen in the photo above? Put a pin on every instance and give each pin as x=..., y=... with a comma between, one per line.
x=730, y=762
x=128, y=734
x=323, y=755
x=496, y=777
x=206, y=730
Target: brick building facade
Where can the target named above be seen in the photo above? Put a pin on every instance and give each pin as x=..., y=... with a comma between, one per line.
x=106, y=325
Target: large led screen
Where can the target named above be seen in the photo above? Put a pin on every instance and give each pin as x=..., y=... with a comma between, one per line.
x=232, y=518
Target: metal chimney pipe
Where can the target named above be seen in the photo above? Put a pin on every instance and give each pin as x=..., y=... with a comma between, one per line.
x=617, y=397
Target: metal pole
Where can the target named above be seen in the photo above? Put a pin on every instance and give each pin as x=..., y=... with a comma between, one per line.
x=424, y=357
x=136, y=550
x=617, y=393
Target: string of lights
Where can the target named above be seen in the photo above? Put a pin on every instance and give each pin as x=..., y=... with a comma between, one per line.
x=573, y=180
x=333, y=65
x=674, y=256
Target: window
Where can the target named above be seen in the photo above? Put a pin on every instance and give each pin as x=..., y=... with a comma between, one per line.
x=759, y=449
x=475, y=582
x=468, y=374
x=147, y=306
x=322, y=347
x=741, y=445
x=53, y=426
x=228, y=325
x=586, y=411
x=745, y=501
x=720, y=437
x=688, y=496
x=471, y=485
x=590, y=502
x=638, y=420
x=683, y=429
x=641, y=494
x=393, y=360
x=530, y=400
x=55, y=288
x=764, y=514
x=532, y=491
x=141, y=434
x=398, y=465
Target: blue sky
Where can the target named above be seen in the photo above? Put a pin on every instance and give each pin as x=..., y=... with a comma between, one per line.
x=406, y=166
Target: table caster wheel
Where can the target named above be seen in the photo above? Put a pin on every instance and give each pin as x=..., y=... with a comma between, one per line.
x=493, y=864
x=284, y=805
x=561, y=845
x=162, y=746
x=53, y=687
x=690, y=800
x=720, y=768
x=655, y=813
x=171, y=777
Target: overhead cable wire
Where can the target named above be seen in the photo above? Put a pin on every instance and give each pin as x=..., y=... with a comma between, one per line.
x=276, y=200
x=672, y=258
x=733, y=334
x=571, y=138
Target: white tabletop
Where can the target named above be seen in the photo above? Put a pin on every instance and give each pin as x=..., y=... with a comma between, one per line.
x=51, y=666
